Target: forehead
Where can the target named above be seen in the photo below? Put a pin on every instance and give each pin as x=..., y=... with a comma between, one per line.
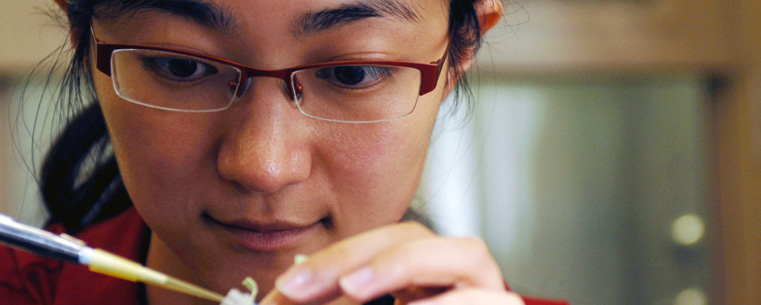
x=276, y=34
x=303, y=17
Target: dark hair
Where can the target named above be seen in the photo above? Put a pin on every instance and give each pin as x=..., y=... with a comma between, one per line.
x=80, y=180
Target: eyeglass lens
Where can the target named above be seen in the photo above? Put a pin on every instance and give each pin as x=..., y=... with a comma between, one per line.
x=354, y=93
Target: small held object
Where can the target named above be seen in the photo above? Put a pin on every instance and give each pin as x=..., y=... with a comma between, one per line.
x=236, y=297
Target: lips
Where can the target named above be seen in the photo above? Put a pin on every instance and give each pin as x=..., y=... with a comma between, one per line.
x=262, y=237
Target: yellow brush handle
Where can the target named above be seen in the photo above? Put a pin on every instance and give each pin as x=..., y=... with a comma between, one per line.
x=112, y=265
x=109, y=264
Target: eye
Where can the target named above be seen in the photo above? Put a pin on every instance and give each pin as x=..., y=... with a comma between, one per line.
x=179, y=69
x=355, y=77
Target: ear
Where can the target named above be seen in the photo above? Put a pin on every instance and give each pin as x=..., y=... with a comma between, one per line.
x=489, y=14
x=62, y=3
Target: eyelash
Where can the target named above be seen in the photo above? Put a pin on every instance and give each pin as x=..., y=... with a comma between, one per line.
x=378, y=73
x=155, y=65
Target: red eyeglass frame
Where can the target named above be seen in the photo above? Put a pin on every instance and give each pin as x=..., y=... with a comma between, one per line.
x=429, y=73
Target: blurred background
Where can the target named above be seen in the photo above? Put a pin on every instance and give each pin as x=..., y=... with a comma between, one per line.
x=613, y=155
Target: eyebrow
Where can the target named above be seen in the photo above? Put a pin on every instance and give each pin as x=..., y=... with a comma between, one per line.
x=313, y=22
x=201, y=12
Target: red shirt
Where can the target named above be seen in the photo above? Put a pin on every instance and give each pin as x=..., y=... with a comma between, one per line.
x=27, y=279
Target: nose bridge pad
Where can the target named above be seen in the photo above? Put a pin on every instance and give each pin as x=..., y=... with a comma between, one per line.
x=295, y=94
x=245, y=87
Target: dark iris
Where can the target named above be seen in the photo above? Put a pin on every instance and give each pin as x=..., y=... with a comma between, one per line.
x=350, y=75
x=182, y=67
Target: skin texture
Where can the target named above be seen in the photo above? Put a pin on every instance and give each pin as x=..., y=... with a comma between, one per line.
x=264, y=163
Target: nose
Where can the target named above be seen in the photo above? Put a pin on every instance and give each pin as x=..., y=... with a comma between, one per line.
x=266, y=142
x=294, y=94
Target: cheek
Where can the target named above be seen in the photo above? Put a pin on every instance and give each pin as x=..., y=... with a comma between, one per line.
x=158, y=156
x=376, y=168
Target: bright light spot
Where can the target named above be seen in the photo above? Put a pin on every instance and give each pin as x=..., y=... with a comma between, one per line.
x=692, y=296
x=687, y=229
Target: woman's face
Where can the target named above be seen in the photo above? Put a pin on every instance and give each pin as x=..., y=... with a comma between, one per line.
x=240, y=192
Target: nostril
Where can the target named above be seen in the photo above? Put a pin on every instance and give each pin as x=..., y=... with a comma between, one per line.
x=264, y=166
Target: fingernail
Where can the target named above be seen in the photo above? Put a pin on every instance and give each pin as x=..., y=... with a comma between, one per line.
x=295, y=283
x=355, y=282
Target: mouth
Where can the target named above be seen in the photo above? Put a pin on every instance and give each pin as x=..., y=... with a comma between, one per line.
x=262, y=237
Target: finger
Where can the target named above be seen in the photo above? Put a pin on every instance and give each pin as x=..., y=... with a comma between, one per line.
x=472, y=296
x=318, y=276
x=274, y=297
x=431, y=262
x=415, y=293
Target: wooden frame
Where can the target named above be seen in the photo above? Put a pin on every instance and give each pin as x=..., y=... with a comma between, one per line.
x=737, y=142
x=557, y=36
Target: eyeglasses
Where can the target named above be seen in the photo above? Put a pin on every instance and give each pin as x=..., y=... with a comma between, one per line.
x=342, y=91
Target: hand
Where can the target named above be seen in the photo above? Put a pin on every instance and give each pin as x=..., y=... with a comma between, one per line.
x=405, y=260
